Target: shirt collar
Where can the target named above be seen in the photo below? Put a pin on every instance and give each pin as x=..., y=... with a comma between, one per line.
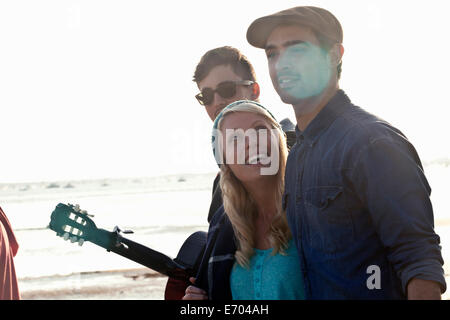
x=324, y=118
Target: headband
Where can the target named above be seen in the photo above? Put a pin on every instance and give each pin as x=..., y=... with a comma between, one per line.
x=231, y=106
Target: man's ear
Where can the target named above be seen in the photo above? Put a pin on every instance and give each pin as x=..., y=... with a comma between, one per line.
x=255, y=91
x=336, y=53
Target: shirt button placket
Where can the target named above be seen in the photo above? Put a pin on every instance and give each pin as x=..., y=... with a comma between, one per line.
x=258, y=276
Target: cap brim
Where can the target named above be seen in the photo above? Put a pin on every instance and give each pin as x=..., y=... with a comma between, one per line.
x=261, y=28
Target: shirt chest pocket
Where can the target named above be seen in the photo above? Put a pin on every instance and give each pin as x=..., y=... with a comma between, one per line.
x=328, y=225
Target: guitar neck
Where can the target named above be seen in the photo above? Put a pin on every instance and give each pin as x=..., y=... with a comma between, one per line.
x=69, y=221
x=139, y=253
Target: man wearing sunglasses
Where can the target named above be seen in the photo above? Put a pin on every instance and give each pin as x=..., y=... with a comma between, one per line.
x=356, y=196
x=225, y=75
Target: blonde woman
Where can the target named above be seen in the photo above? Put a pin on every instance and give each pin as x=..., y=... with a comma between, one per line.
x=250, y=253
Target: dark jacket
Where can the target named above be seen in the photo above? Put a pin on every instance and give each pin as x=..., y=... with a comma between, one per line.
x=215, y=269
x=216, y=201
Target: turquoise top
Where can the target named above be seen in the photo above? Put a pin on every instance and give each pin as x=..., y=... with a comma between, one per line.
x=270, y=277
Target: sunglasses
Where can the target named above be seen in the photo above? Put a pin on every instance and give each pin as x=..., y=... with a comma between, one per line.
x=226, y=89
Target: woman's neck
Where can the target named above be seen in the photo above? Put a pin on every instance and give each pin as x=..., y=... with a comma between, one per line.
x=264, y=196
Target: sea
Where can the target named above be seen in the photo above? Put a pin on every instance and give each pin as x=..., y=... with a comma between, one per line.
x=161, y=211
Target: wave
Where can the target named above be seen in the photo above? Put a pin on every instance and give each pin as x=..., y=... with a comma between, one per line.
x=440, y=161
x=106, y=182
x=128, y=273
x=108, y=284
x=135, y=229
x=31, y=192
x=87, y=195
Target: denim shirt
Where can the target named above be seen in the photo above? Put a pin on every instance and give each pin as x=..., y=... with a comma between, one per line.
x=358, y=205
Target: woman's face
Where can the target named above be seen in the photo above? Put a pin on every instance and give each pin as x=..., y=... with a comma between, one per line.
x=250, y=146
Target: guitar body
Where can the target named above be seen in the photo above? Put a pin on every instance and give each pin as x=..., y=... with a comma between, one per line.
x=189, y=256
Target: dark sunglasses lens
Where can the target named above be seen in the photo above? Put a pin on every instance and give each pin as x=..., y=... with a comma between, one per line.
x=226, y=89
x=207, y=96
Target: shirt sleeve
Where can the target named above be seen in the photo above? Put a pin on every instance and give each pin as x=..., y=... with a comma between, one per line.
x=389, y=178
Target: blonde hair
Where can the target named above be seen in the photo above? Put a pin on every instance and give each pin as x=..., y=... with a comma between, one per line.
x=241, y=208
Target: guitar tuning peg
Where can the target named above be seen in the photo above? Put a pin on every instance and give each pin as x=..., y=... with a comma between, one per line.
x=83, y=212
x=118, y=230
x=80, y=242
x=66, y=236
x=76, y=208
x=73, y=239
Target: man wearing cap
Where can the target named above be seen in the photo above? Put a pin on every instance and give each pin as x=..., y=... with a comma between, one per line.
x=356, y=196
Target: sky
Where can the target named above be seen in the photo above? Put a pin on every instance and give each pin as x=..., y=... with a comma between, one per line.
x=103, y=89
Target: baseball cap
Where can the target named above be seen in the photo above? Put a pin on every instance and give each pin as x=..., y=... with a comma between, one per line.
x=318, y=19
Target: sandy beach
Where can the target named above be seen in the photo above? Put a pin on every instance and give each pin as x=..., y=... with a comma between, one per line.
x=132, y=284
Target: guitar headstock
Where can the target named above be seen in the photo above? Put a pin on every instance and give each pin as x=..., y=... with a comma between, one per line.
x=72, y=223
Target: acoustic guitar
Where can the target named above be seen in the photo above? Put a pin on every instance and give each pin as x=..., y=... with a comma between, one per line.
x=76, y=225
